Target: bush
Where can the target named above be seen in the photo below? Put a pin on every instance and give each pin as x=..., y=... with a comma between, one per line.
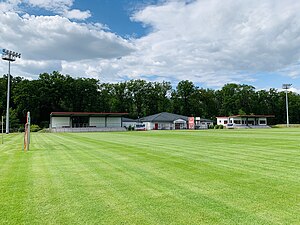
x=130, y=128
x=34, y=128
x=44, y=130
x=211, y=126
x=218, y=126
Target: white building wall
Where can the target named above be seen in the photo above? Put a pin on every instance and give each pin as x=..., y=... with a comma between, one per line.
x=114, y=122
x=161, y=126
x=97, y=121
x=221, y=121
x=238, y=121
x=165, y=126
x=59, y=122
x=149, y=125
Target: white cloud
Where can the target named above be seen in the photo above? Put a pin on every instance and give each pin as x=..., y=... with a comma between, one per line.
x=57, y=38
x=8, y=6
x=213, y=42
x=48, y=42
x=295, y=90
x=77, y=14
x=60, y=7
x=291, y=89
x=52, y=5
x=208, y=41
x=32, y=68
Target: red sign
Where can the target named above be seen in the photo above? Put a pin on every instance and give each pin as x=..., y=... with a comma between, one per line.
x=191, y=123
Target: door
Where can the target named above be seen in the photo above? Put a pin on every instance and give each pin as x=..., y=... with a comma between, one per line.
x=156, y=126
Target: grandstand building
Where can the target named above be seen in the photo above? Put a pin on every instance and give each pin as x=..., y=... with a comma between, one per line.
x=85, y=121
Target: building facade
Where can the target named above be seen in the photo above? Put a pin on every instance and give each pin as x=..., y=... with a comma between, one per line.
x=244, y=121
x=165, y=121
x=85, y=121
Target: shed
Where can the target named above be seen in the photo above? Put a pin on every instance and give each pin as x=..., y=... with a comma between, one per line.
x=85, y=121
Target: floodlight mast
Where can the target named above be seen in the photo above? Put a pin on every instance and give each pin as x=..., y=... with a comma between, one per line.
x=286, y=87
x=9, y=56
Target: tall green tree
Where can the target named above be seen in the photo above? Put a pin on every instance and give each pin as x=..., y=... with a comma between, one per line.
x=184, y=98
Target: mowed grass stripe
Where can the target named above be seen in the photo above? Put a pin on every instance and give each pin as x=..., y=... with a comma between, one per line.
x=247, y=154
x=173, y=186
x=83, y=186
x=157, y=178
x=85, y=176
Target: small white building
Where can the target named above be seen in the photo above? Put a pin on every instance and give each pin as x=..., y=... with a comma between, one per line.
x=244, y=121
x=222, y=120
x=85, y=121
x=165, y=121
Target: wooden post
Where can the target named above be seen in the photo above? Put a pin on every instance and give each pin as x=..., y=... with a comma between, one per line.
x=2, y=129
x=27, y=133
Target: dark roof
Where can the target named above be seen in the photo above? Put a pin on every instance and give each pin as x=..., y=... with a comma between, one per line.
x=86, y=114
x=124, y=119
x=163, y=117
x=206, y=120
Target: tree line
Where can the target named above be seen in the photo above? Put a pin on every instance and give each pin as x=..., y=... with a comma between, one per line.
x=56, y=92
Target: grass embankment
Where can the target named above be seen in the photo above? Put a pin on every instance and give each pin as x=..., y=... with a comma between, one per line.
x=284, y=126
x=169, y=177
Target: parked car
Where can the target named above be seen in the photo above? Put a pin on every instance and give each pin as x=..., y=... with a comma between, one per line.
x=140, y=127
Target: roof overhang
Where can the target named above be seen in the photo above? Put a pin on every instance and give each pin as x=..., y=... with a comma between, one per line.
x=252, y=116
x=89, y=114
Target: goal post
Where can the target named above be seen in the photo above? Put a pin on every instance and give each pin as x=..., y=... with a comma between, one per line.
x=27, y=133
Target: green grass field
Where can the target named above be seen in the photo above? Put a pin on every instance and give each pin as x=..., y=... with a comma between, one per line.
x=163, y=177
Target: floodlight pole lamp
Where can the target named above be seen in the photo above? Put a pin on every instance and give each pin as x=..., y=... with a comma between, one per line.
x=286, y=87
x=9, y=56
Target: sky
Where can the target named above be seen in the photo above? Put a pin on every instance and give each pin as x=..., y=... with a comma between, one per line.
x=209, y=42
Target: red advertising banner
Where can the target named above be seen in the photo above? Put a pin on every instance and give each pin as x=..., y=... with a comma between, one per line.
x=191, y=123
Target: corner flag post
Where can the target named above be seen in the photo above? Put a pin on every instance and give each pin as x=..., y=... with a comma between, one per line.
x=28, y=136
x=2, y=129
x=27, y=133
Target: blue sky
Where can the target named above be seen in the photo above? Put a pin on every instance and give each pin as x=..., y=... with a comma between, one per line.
x=210, y=42
x=116, y=15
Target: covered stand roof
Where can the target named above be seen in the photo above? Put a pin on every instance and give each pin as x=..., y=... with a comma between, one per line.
x=252, y=116
x=90, y=114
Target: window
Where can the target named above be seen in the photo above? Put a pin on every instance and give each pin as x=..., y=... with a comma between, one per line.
x=237, y=121
x=225, y=121
x=262, y=122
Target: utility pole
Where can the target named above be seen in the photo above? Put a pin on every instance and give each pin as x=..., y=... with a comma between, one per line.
x=286, y=87
x=9, y=56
